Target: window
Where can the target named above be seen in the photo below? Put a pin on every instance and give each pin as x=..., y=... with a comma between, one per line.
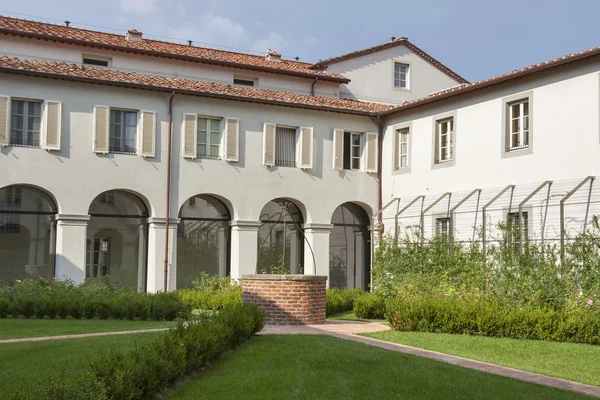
x=285, y=146
x=444, y=140
x=11, y=222
x=98, y=257
x=192, y=202
x=400, y=75
x=123, y=131
x=99, y=61
x=352, y=150
x=209, y=137
x=518, y=127
x=245, y=81
x=442, y=226
x=513, y=228
x=26, y=117
x=401, y=151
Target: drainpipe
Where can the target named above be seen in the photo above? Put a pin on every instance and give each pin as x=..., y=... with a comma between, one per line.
x=312, y=87
x=168, y=193
x=379, y=166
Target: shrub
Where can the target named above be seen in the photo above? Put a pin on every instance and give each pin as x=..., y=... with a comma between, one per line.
x=340, y=300
x=4, y=307
x=211, y=293
x=146, y=370
x=369, y=306
x=491, y=318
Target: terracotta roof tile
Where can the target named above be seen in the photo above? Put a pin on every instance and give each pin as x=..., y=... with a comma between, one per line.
x=60, y=33
x=187, y=86
x=402, y=41
x=496, y=80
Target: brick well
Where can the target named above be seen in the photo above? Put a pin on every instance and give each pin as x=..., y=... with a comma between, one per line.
x=288, y=299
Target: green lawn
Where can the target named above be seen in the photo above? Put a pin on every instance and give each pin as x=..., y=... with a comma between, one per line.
x=572, y=361
x=13, y=328
x=324, y=367
x=26, y=365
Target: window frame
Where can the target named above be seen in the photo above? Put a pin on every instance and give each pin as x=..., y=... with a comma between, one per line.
x=506, y=148
x=397, y=146
x=122, y=130
x=436, y=142
x=99, y=59
x=25, y=116
x=247, y=79
x=352, y=158
x=294, y=160
x=208, y=143
x=407, y=75
x=512, y=230
x=438, y=223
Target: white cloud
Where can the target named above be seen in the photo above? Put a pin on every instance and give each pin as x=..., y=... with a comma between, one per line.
x=274, y=41
x=138, y=6
x=212, y=29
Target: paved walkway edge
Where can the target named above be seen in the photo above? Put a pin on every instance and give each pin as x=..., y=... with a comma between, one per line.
x=81, y=335
x=557, y=383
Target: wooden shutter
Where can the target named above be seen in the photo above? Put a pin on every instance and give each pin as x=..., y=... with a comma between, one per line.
x=52, y=125
x=269, y=144
x=371, y=150
x=4, y=120
x=148, y=134
x=338, y=149
x=190, y=135
x=305, y=148
x=101, y=120
x=232, y=140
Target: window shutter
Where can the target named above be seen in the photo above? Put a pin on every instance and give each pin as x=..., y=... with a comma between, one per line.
x=148, y=134
x=101, y=119
x=190, y=135
x=4, y=119
x=232, y=139
x=269, y=144
x=371, y=150
x=338, y=149
x=436, y=150
x=305, y=150
x=52, y=125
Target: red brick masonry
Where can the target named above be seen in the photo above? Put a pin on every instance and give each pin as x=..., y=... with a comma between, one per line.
x=288, y=299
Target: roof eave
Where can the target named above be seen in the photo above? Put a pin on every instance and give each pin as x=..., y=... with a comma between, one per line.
x=187, y=92
x=230, y=64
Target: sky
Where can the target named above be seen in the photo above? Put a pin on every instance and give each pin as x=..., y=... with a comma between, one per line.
x=475, y=38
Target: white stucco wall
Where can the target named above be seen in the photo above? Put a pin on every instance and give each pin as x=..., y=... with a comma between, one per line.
x=565, y=149
x=372, y=77
x=29, y=49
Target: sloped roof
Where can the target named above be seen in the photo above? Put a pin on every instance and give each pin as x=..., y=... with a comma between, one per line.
x=496, y=80
x=102, y=75
x=111, y=41
x=402, y=41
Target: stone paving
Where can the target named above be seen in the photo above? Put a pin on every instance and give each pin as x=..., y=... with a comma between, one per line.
x=348, y=330
x=80, y=335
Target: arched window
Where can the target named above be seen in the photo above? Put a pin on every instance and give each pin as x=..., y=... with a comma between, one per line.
x=203, y=239
x=117, y=240
x=281, y=238
x=349, y=248
x=27, y=233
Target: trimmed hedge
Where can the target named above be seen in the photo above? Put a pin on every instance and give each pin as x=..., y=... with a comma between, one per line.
x=147, y=370
x=340, y=300
x=59, y=299
x=490, y=318
x=369, y=306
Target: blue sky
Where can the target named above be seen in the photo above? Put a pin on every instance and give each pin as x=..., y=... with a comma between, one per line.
x=477, y=39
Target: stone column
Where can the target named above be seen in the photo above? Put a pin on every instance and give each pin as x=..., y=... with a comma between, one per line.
x=71, y=236
x=244, y=248
x=317, y=236
x=156, y=254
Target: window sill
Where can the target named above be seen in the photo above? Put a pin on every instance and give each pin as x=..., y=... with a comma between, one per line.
x=207, y=157
x=31, y=146
x=401, y=171
x=444, y=164
x=517, y=152
x=123, y=153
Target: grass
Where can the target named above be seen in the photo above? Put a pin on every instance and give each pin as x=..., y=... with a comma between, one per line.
x=14, y=328
x=27, y=365
x=572, y=361
x=324, y=367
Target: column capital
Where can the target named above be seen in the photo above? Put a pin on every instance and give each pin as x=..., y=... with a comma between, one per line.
x=72, y=219
x=162, y=221
x=315, y=227
x=245, y=225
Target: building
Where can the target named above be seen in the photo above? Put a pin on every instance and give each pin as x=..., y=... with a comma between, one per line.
x=151, y=162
